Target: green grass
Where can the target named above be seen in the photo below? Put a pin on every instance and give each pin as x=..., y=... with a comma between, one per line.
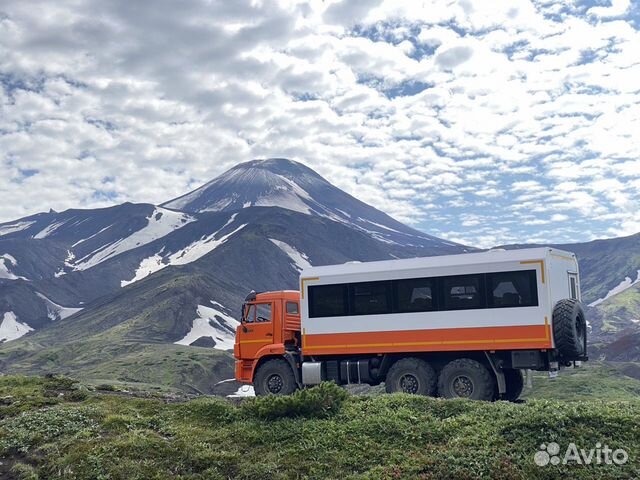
x=47, y=431
x=161, y=367
x=593, y=381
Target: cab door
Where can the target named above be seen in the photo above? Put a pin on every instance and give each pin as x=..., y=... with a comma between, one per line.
x=256, y=330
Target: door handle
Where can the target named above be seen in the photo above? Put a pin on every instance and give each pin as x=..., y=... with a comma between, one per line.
x=269, y=334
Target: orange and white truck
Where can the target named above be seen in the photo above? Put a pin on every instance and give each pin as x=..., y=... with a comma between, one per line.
x=454, y=326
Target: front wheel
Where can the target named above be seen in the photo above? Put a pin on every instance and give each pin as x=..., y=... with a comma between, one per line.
x=466, y=378
x=274, y=377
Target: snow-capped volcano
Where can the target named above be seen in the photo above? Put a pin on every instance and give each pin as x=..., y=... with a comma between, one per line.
x=267, y=183
x=278, y=182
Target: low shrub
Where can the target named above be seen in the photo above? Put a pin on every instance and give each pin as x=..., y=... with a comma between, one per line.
x=322, y=401
x=107, y=387
x=21, y=432
x=206, y=410
x=54, y=384
x=77, y=395
x=24, y=472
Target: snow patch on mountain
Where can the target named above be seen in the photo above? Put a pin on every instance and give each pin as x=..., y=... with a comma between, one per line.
x=92, y=236
x=160, y=223
x=6, y=263
x=300, y=260
x=229, y=222
x=11, y=328
x=200, y=248
x=621, y=287
x=48, y=230
x=147, y=266
x=15, y=227
x=212, y=322
x=68, y=264
x=287, y=195
x=55, y=311
x=190, y=253
x=380, y=225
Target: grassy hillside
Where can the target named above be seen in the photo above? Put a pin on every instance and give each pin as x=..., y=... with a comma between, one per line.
x=620, y=310
x=128, y=339
x=51, y=428
x=594, y=381
x=135, y=365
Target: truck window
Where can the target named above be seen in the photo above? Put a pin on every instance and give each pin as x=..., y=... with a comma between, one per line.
x=512, y=289
x=462, y=292
x=292, y=308
x=263, y=313
x=328, y=301
x=370, y=298
x=573, y=286
x=414, y=295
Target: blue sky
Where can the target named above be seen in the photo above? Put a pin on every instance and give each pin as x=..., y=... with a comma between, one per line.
x=481, y=122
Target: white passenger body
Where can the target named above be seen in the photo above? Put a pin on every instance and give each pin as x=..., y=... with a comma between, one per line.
x=554, y=269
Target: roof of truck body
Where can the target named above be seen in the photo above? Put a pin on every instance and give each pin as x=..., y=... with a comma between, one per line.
x=479, y=258
x=278, y=294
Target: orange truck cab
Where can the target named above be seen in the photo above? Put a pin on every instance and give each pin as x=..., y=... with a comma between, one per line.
x=269, y=329
x=454, y=326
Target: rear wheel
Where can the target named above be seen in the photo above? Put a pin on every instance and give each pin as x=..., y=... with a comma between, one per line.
x=515, y=384
x=274, y=377
x=466, y=378
x=411, y=375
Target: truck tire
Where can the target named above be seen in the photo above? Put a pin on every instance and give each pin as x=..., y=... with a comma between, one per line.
x=274, y=377
x=411, y=375
x=467, y=378
x=515, y=384
x=569, y=329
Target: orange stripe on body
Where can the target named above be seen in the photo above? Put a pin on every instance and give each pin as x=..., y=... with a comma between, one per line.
x=447, y=339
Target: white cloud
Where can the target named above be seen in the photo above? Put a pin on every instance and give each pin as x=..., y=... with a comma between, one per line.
x=431, y=111
x=348, y=12
x=616, y=8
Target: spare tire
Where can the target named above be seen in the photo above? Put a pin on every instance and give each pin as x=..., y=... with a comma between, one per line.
x=569, y=329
